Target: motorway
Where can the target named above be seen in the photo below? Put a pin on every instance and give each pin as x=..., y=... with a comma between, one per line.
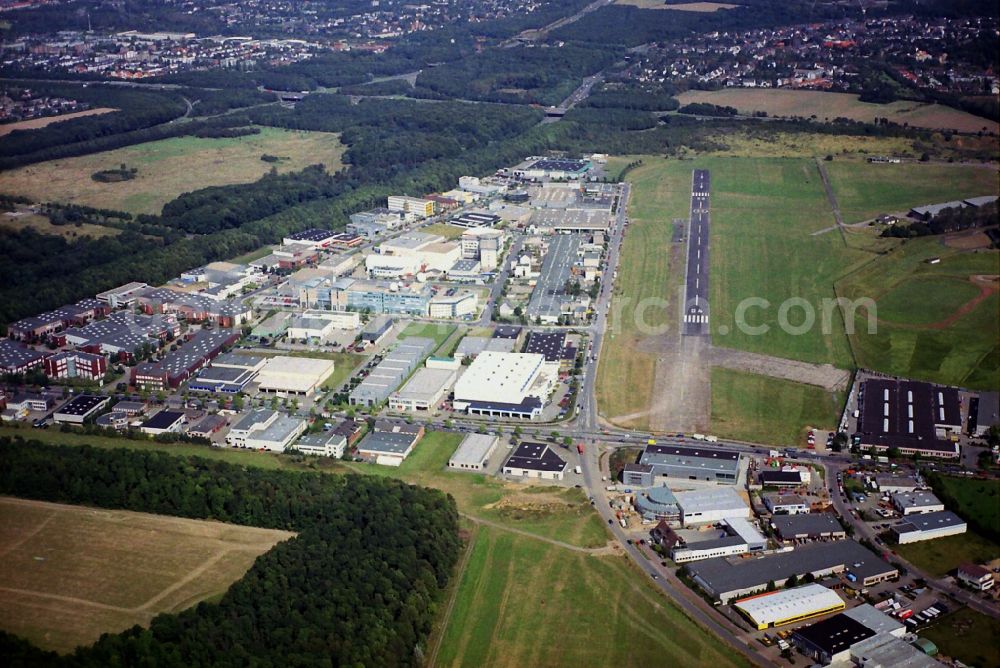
x=695, y=319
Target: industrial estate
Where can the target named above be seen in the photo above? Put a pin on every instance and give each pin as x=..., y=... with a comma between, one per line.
x=585, y=378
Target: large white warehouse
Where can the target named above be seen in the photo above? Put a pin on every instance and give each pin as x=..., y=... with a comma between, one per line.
x=706, y=506
x=505, y=384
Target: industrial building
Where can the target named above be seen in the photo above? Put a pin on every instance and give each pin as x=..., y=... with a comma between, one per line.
x=748, y=531
x=388, y=374
x=76, y=364
x=534, y=460
x=178, y=365
x=917, y=501
x=483, y=244
x=884, y=650
x=723, y=546
x=423, y=390
x=975, y=576
x=222, y=379
x=830, y=640
x=551, y=345
x=209, y=425
x=808, y=527
x=706, y=506
x=322, y=444
x=453, y=304
x=785, y=478
x=319, y=326
x=928, y=526
x=78, y=409
x=293, y=375
x=987, y=413
x=913, y=417
x=313, y=237
x=474, y=452
x=122, y=296
x=693, y=463
x=785, y=504
x=789, y=606
x=264, y=429
x=725, y=580
x=505, y=385
x=658, y=503
x=470, y=219
x=19, y=358
x=637, y=475
x=391, y=444
x=164, y=422
x=889, y=484
x=471, y=346
x=418, y=207
x=556, y=169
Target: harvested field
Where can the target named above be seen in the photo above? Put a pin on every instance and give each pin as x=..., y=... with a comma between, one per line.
x=823, y=105
x=72, y=573
x=35, y=123
x=170, y=167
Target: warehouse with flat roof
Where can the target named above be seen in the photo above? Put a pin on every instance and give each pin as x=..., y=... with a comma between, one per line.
x=423, y=390
x=79, y=408
x=706, y=506
x=474, y=452
x=726, y=580
x=284, y=375
x=693, y=463
x=928, y=526
x=502, y=385
x=915, y=417
x=808, y=527
x=789, y=606
x=830, y=640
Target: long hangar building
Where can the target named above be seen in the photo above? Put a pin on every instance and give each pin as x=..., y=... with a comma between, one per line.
x=686, y=463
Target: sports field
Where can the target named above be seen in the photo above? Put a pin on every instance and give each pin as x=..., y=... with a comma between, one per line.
x=72, y=573
x=756, y=408
x=828, y=106
x=523, y=602
x=170, y=167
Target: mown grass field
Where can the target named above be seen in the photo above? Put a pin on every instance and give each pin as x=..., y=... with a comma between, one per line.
x=940, y=556
x=170, y=167
x=976, y=498
x=866, y=190
x=522, y=602
x=931, y=323
x=968, y=636
x=439, y=332
x=660, y=192
x=72, y=573
x=757, y=408
x=828, y=106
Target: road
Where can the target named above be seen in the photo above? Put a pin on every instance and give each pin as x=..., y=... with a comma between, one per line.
x=501, y=280
x=696, y=314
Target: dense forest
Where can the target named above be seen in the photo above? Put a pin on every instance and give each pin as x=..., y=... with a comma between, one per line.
x=357, y=586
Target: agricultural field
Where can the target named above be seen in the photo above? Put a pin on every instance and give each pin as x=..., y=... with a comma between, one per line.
x=72, y=573
x=745, y=406
x=968, y=636
x=934, y=322
x=828, y=106
x=616, y=617
x=23, y=219
x=35, y=123
x=170, y=167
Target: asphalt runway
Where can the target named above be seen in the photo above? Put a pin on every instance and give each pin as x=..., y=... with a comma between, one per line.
x=695, y=319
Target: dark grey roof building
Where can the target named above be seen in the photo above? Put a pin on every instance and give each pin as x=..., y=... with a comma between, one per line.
x=678, y=461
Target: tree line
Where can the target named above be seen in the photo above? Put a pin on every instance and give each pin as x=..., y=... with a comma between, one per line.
x=356, y=586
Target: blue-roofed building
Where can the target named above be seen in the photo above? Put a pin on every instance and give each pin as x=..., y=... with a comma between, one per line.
x=658, y=503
